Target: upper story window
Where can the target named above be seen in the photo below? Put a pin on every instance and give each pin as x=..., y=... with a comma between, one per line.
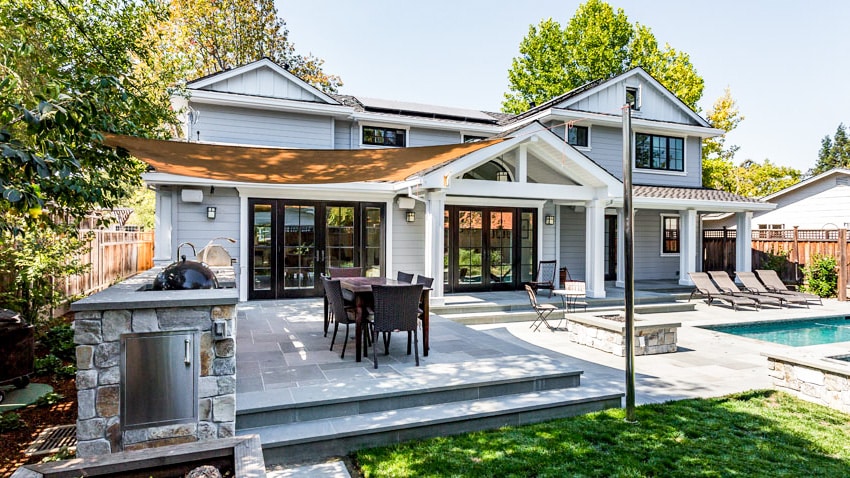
x=669, y=234
x=578, y=136
x=469, y=138
x=384, y=136
x=663, y=153
x=633, y=97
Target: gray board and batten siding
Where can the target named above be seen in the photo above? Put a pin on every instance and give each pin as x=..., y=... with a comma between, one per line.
x=263, y=82
x=654, y=105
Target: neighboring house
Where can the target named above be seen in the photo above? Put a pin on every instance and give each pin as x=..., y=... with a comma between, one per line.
x=471, y=198
x=819, y=202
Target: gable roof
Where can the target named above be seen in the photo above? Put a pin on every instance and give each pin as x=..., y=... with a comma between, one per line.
x=290, y=166
x=221, y=76
x=809, y=181
x=593, y=87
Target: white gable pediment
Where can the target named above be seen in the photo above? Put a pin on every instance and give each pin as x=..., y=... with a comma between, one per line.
x=560, y=165
x=656, y=102
x=262, y=78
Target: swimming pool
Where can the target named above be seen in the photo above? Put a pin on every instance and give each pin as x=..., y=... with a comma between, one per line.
x=796, y=333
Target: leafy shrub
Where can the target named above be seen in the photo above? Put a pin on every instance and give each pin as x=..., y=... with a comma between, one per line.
x=59, y=340
x=53, y=365
x=821, y=276
x=10, y=421
x=49, y=399
x=775, y=260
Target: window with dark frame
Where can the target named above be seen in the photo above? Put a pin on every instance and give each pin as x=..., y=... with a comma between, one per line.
x=663, y=153
x=670, y=231
x=577, y=135
x=384, y=136
x=633, y=98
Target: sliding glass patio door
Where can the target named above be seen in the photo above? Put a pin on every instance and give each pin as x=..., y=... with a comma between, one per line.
x=294, y=241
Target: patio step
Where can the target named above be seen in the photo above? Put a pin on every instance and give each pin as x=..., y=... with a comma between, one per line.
x=318, y=421
x=426, y=385
x=297, y=442
x=526, y=315
x=611, y=303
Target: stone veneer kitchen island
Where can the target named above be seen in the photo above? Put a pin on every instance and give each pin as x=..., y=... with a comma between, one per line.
x=128, y=309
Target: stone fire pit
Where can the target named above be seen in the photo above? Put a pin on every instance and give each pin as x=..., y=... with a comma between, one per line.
x=607, y=333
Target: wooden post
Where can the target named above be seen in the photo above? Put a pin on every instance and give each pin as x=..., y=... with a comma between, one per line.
x=842, y=264
x=796, y=255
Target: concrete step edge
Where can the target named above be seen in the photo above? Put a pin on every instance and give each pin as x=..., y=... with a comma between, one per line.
x=359, y=425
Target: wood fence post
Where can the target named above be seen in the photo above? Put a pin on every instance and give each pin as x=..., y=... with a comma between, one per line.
x=796, y=255
x=842, y=264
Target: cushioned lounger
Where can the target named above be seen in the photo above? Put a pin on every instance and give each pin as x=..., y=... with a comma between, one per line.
x=728, y=286
x=773, y=283
x=752, y=284
x=707, y=289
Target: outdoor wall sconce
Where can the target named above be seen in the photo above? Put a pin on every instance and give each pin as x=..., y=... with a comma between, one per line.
x=502, y=176
x=410, y=216
x=550, y=220
x=211, y=212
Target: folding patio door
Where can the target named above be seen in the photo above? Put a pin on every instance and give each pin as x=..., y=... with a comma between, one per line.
x=489, y=248
x=293, y=241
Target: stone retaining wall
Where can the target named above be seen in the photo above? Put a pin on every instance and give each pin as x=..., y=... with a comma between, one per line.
x=827, y=385
x=98, y=334
x=649, y=339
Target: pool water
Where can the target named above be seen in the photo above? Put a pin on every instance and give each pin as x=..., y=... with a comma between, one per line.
x=796, y=333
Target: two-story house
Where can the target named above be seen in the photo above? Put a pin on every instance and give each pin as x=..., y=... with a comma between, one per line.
x=306, y=180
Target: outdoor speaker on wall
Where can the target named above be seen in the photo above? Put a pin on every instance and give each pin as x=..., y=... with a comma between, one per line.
x=192, y=195
x=406, y=203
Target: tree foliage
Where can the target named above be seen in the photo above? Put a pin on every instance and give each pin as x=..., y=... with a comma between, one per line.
x=597, y=43
x=68, y=77
x=216, y=35
x=834, y=152
x=69, y=72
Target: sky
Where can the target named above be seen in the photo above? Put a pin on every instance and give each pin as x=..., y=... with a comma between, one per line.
x=785, y=62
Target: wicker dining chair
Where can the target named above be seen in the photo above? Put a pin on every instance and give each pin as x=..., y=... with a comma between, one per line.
x=396, y=310
x=342, y=314
x=404, y=277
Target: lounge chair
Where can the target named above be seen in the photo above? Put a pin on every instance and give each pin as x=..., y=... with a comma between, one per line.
x=728, y=286
x=707, y=289
x=773, y=283
x=753, y=285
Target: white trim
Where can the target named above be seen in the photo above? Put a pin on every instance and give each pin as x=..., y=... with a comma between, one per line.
x=265, y=62
x=363, y=187
x=490, y=201
x=426, y=123
x=678, y=234
x=646, y=125
x=265, y=103
x=807, y=182
x=244, y=238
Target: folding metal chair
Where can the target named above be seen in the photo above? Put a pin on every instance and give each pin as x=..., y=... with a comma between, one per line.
x=543, y=310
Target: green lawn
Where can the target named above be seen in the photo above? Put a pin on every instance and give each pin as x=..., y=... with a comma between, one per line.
x=758, y=433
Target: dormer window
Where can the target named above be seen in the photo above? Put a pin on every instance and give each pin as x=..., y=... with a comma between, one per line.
x=577, y=136
x=376, y=136
x=633, y=97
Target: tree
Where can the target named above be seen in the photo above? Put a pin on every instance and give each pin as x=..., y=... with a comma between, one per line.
x=717, y=159
x=597, y=43
x=754, y=179
x=834, y=152
x=216, y=35
x=70, y=73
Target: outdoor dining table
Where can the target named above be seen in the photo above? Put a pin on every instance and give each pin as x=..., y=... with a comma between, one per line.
x=361, y=288
x=570, y=297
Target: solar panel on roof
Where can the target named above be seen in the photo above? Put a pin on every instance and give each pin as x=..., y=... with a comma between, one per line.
x=392, y=105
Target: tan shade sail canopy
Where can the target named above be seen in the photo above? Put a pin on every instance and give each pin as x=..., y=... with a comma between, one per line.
x=290, y=166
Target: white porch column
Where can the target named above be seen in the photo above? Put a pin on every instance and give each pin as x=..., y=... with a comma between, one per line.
x=594, y=270
x=621, y=248
x=743, y=241
x=522, y=164
x=162, y=227
x=435, y=206
x=687, y=245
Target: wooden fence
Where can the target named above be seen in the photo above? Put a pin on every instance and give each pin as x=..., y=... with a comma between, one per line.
x=113, y=255
x=797, y=246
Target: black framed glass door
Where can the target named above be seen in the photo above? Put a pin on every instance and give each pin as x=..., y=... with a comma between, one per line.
x=488, y=248
x=293, y=241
